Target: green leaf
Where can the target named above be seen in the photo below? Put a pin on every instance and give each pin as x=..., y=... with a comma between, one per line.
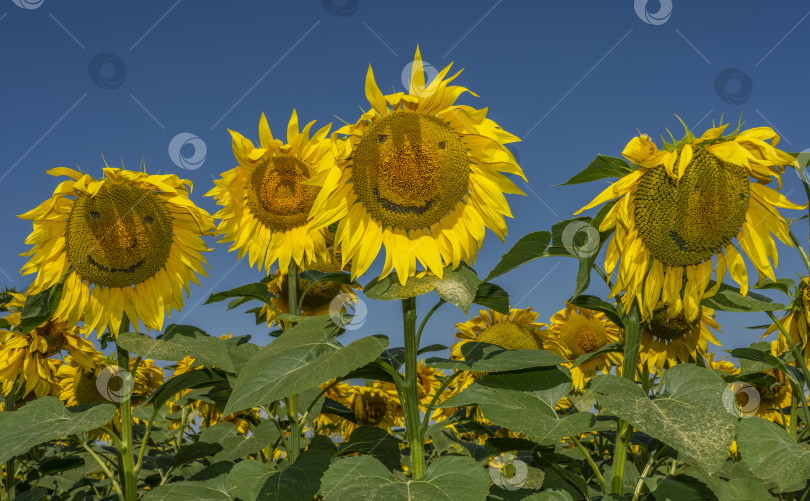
x=525, y=401
x=448, y=478
x=528, y=248
x=46, y=419
x=315, y=276
x=196, y=450
x=252, y=291
x=301, y=358
x=298, y=482
x=53, y=465
x=246, y=479
x=772, y=454
x=781, y=284
x=39, y=308
x=374, y=441
x=770, y=361
x=192, y=379
x=491, y=358
x=493, y=297
x=608, y=348
x=597, y=304
x=177, y=342
x=679, y=488
x=730, y=299
x=552, y=495
x=689, y=415
x=457, y=286
x=189, y=490
x=34, y=494
x=601, y=167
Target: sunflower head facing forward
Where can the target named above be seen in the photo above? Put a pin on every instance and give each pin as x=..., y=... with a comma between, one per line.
x=684, y=206
x=266, y=199
x=125, y=245
x=669, y=339
x=418, y=174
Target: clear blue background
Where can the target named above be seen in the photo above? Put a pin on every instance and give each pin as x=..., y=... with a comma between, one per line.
x=573, y=79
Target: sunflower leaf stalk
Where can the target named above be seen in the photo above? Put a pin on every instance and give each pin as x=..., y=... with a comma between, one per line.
x=411, y=395
x=292, y=402
x=624, y=431
x=125, y=447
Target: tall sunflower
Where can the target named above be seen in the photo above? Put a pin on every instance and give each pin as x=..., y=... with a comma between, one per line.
x=667, y=340
x=419, y=175
x=318, y=300
x=126, y=244
x=682, y=207
x=266, y=199
x=575, y=331
x=28, y=360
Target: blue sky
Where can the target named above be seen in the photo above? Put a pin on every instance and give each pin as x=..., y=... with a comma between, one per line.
x=573, y=79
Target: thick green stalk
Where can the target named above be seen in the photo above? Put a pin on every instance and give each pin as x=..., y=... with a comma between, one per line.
x=126, y=449
x=294, y=444
x=411, y=397
x=632, y=343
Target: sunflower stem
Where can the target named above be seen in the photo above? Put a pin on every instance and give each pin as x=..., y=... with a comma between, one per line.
x=592, y=464
x=294, y=444
x=800, y=248
x=10, y=466
x=624, y=431
x=125, y=448
x=411, y=395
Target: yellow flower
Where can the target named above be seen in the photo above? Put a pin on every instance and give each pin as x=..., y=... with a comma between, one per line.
x=266, y=199
x=576, y=331
x=683, y=206
x=26, y=359
x=104, y=381
x=318, y=300
x=795, y=322
x=419, y=175
x=127, y=244
x=372, y=405
x=667, y=340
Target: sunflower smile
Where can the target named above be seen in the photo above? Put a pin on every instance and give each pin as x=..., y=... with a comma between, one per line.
x=402, y=209
x=107, y=269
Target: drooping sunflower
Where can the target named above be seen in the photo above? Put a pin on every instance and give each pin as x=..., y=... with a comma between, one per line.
x=795, y=322
x=320, y=297
x=667, y=340
x=266, y=199
x=575, y=331
x=28, y=359
x=126, y=244
x=682, y=207
x=419, y=175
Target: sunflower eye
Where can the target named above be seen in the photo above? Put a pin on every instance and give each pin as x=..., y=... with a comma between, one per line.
x=94, y=214
x=148, y=219
x=442, y=144
x=382, y=138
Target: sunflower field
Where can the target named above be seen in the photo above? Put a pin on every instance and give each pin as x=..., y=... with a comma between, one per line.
x=615, y=398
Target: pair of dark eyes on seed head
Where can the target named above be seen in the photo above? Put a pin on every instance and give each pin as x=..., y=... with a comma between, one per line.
x=96, y=215
x=382, y=138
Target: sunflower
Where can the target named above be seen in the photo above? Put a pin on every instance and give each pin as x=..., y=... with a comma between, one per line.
x=419, y=175
x=29, y=357
x=795, y=322
x=103, y=383
x=372, y=405
x=682, y=207
x=266, y=199
x=125, y=245
x=327, y=423
x=575, y=331
x=318, y=300
x=667, y=340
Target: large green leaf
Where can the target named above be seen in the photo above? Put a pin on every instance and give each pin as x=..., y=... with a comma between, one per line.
x=46, y=419
x=364, y=478
x=772, y=454
x=525, y=402
x=529, y=247
x=458, y=287
x=256, y=291
x=601, y=167
x=197, y=378
x=374, y=441
x=597, y=304
x=493, y=297
x=179, y=341
x=729, y=299
x=679, y=488
x=689, y=415
x=252, y=480
x=491, y=358
x=301, y=358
